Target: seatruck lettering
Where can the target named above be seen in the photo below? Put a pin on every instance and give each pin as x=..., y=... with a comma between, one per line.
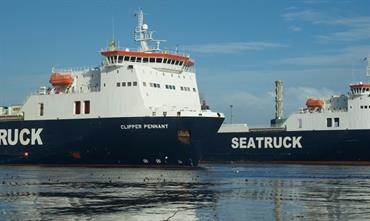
x=24, y=137
x=266, y=142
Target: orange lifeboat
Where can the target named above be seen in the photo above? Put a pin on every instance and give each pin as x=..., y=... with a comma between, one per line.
x=57, y=79
x=314, y=103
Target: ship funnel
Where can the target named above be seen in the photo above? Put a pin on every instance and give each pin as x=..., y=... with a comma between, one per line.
x=279, y=118
x=278, y=99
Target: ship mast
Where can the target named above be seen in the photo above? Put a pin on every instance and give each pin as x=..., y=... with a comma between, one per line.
x=143, y=35
x=368, y=66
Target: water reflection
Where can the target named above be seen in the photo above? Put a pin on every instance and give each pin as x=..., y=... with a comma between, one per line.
x=217, y=192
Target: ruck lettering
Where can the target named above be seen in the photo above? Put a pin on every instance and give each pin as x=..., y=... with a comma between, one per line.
x=297, y=142
x=3, y=134
x=12, y=137
x=24, y=137
x=286, y=142
x=35, y=136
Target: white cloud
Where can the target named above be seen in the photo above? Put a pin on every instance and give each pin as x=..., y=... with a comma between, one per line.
x=314, y=1
x=233, y=47
x=301, y=93
x=356, y=28
x=346, y=56
x=255, y=109
x=305, y=15
x=295, y=28
x=251, y=92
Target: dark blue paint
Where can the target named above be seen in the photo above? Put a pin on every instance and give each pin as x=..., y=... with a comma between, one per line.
x=340, y=146
x=102, y=141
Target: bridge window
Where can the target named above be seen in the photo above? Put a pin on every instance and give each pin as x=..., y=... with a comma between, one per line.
x=138, y=59
x=127, y=58
x=165, y=60
x=145, y=60
x=159, y=60
x=120, y=59
x=133, y=59
x=152, y=60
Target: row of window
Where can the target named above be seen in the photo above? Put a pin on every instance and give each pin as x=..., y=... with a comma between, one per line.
x=128, y=84
x=187, y=89
x=155, y=85
x=329, y=122
x=120, y=59
x=171, y=87
x=82, y=107
x=364, y=107
x=79, y=107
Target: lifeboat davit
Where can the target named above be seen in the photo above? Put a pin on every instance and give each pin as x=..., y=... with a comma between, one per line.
x=57, y=79
x=314, y=103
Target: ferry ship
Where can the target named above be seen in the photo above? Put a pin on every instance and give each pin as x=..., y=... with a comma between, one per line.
x=139, y=107
x=332, y=130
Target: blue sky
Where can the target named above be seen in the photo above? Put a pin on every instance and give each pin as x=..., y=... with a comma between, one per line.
x=240, y=47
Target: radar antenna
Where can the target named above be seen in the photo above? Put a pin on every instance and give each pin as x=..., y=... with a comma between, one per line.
x=143, y=35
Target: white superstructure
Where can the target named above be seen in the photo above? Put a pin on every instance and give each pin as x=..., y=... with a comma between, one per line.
x=343, y=112
x=130, y=83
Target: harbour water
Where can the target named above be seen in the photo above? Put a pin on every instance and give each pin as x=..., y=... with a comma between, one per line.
x=212, y=192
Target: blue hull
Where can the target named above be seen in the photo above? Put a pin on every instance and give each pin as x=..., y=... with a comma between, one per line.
x=119, y=141
x=343, y=147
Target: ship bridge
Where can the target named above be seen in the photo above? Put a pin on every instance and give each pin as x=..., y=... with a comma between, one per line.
x=158, y=60
x=162, y=60
x=360, y=88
